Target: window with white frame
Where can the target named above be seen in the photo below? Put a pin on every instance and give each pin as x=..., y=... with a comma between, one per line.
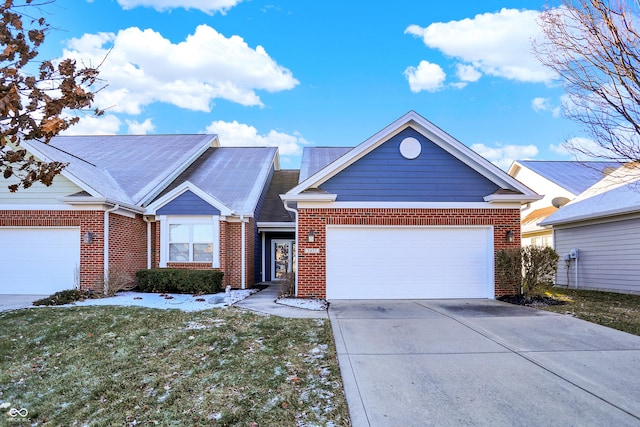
x=190, y=239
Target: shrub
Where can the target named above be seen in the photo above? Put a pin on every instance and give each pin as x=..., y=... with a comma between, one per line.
x=287, y=286
x=179, y=281
x=117, y=281
x=527, y=269
x=67, y=297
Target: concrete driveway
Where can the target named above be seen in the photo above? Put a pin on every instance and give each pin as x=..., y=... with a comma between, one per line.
x=482, y=362
x=15, y=302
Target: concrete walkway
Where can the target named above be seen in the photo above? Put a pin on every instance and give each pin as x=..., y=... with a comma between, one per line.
x=482, y=362
x=264, y=302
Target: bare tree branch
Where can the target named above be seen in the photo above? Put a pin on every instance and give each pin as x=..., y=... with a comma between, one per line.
x=594, y=48
x=35, y=107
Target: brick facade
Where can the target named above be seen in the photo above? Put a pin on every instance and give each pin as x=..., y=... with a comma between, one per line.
x=312, y=267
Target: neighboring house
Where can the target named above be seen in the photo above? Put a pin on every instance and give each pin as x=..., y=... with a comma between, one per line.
x=409, y=213
x=597, y=235
x=559, y=182
x=126, y=203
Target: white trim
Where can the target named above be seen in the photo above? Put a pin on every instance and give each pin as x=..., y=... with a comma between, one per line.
x=93, y=201
x=309, y=197
x=511, y=198
x=166, y=220
x=264, y=265
x=433, y=133
x=409, y=205
x=183, y=188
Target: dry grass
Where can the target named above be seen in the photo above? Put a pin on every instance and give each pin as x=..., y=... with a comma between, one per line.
x=104, y=366
x=618, y=311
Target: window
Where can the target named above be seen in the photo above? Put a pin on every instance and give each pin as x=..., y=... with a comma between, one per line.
x=191, y=242
x=189, y=239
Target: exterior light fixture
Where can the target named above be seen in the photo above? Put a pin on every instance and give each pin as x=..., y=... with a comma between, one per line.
x=311, y=237
x=509, y=236
x=88, y=237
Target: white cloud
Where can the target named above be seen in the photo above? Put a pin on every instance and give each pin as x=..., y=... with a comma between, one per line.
x=496, y=44
x=234, y=134
x=92, y=125
x=140, y=128
x=467, y=73
x=142, y=67
x=207, y=6
x=503, y=156
x=575, y=149
x=426, y=76
x=540, y=104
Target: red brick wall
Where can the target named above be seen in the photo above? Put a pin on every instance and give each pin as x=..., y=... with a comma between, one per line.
x=91, y=255
x=127, y=246
x=311, y=267
x=230, y=253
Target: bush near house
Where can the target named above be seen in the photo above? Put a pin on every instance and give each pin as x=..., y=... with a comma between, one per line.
x=68, y=296
x=528, y=270
x=179, y=281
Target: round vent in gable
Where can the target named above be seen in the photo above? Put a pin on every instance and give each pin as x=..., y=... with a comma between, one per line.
x=410, y=148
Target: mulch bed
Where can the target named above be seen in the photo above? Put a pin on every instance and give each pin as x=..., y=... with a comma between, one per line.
x=531, y=301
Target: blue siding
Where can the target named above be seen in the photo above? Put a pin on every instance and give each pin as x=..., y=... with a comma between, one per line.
x=188, y=204
x=434, y=176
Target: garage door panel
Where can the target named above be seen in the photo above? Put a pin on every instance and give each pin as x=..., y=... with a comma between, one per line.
x=409, y=262
x=38, y=261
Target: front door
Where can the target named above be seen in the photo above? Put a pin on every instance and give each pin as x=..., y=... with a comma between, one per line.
x=283, y=258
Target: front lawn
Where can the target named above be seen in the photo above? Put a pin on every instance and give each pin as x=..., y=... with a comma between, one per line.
x=104, y=366
x=618, y=311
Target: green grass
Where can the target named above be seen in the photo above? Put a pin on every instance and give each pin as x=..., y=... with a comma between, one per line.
x=618, y=311
x=105, y=366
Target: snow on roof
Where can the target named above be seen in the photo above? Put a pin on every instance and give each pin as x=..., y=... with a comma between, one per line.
x=616, y=194
x=574, y=176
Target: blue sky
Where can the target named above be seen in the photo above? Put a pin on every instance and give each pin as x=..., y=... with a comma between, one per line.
x=293, y=73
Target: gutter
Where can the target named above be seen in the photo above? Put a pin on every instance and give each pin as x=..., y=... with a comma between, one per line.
x=146, y=219
x=243, y=256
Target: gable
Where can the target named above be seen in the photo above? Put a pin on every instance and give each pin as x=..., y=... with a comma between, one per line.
x=38, y=193
x=188, y=203
x=384, y=174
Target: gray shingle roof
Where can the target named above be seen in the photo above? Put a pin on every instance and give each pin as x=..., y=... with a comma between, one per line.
x=233, y=175
x=136, y=164
x=273, y=209
x=316, y=158
x=574, y=176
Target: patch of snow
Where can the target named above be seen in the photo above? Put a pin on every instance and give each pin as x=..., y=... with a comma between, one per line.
x=309, y=304
x=182, y=302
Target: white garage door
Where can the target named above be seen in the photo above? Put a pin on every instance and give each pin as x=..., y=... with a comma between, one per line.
x=38, y=261
x=409, y=262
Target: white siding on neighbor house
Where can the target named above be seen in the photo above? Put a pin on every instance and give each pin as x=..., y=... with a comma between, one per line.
x=608, y=257
x=37, y=194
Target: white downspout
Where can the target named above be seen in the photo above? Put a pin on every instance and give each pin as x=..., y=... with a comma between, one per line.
x=264, y=254
x=106, y=247
x=148, y=241
x=295, y=214
x=243, y=248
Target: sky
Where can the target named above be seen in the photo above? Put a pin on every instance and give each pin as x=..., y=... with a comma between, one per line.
x=293, y=73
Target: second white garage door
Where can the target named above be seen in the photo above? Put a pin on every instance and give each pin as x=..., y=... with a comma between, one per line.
x=409, y=262
x=38, y=261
